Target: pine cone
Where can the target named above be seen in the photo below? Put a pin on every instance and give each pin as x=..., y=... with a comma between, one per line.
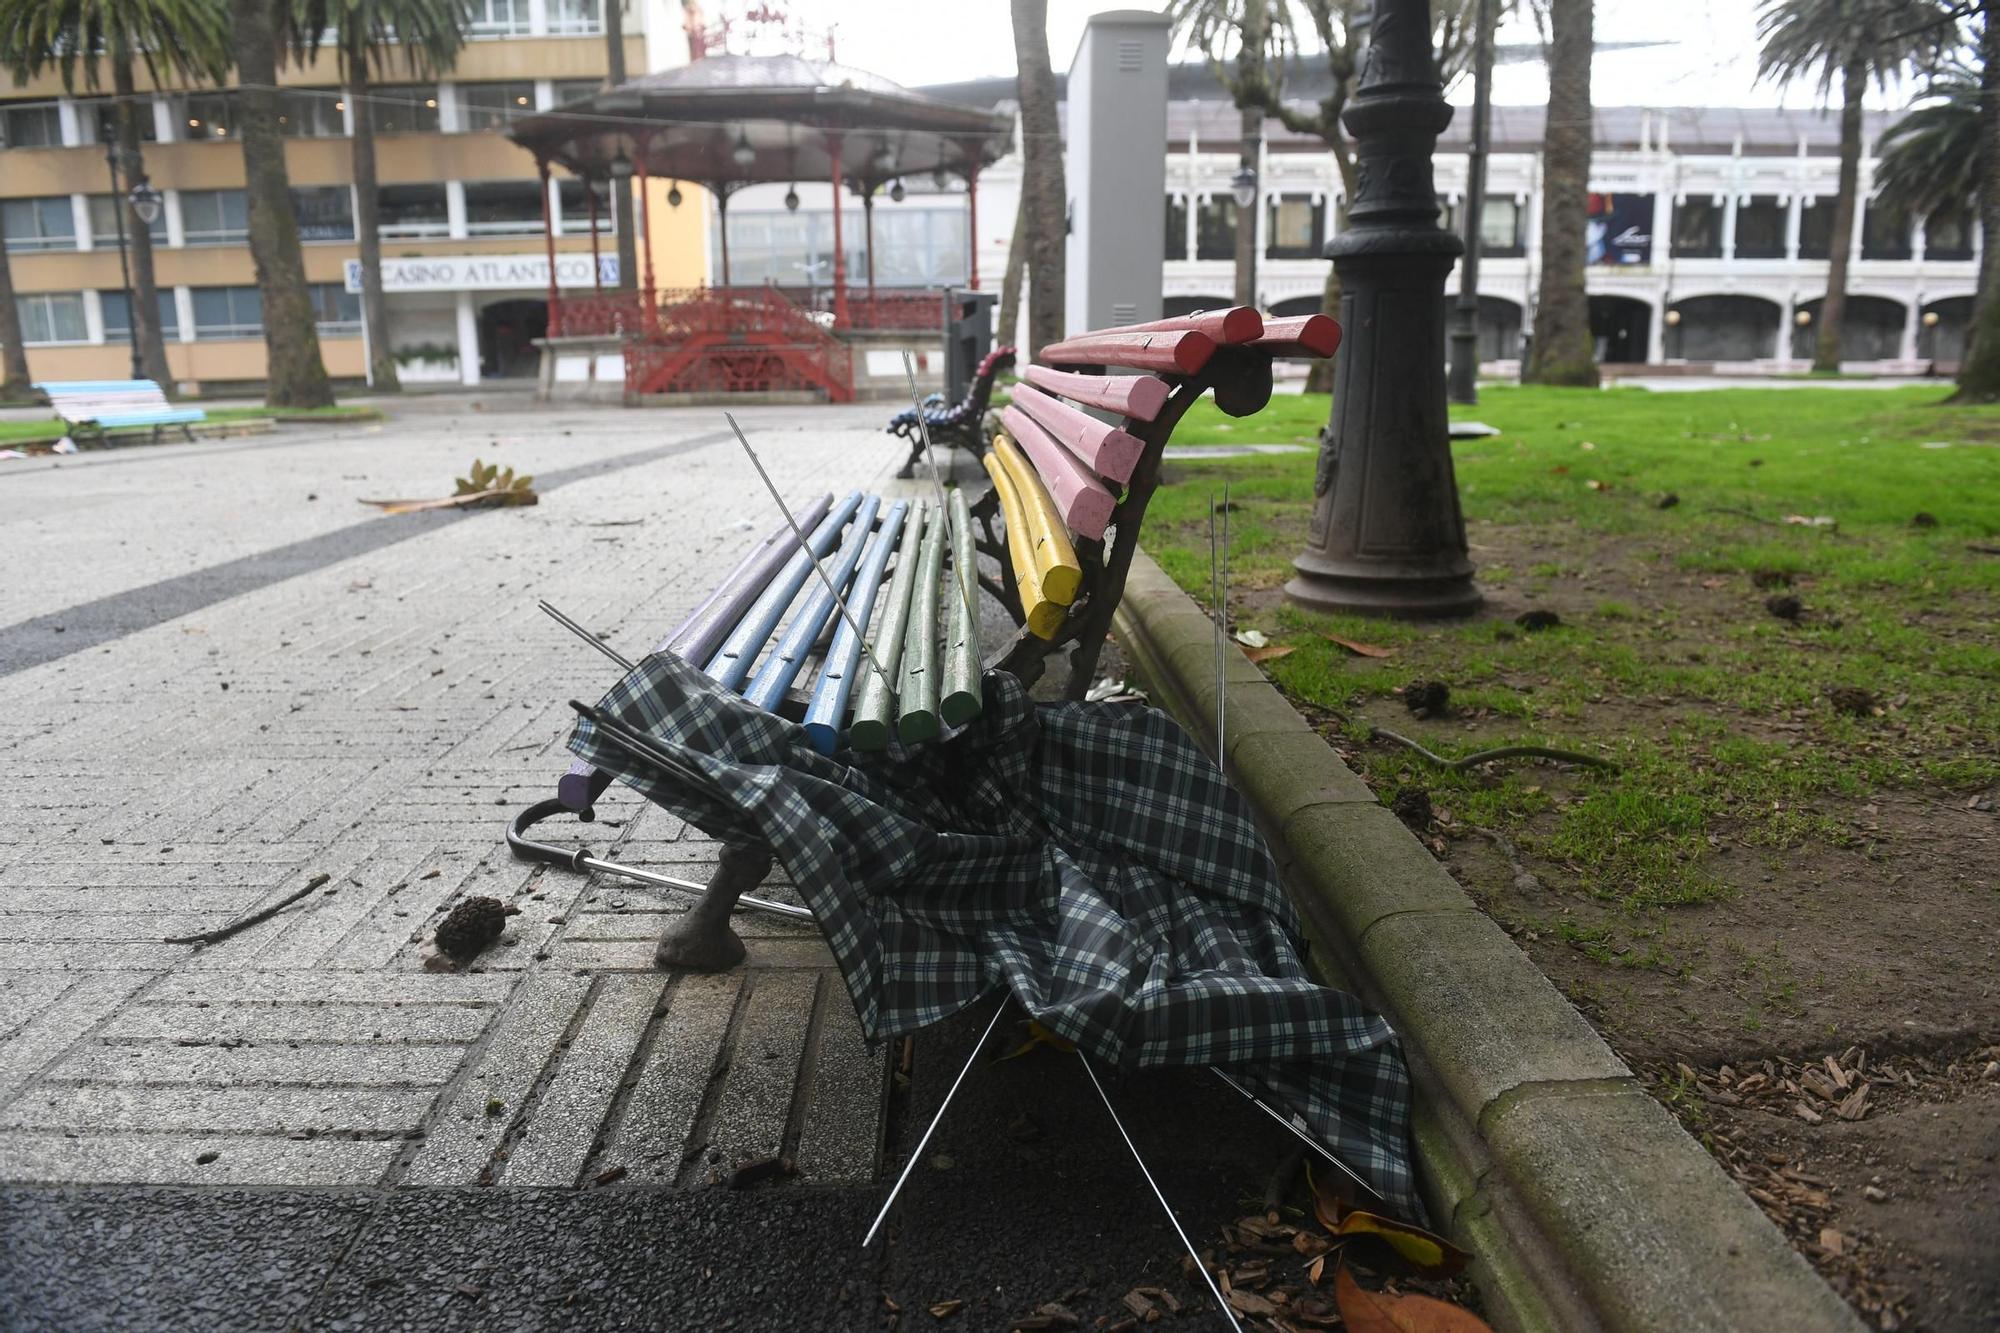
x=470, y=927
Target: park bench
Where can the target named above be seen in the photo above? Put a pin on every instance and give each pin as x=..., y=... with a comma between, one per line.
x=1060, y=520
x=91, y=408
x=962, y=424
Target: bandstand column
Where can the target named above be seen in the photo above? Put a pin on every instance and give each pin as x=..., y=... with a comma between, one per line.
x=839, y=256
x=721, y=192
x=554, y=326
x=596, y=261
x=649, y=299
x=972, y=225
x=868, y=228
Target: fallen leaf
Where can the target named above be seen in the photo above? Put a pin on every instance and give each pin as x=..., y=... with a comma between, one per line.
x=1831, y=1241
x=1271, y=652
x=1430, y=1254
x=1039, y=1036
x=1359, y=648
x=1560, y=470
x=1252, y=638
x=1328, y=1203
x=1381, y=1312
x=1713, y=583
x=1315, y=1270
x=1597, y=485
x=946, y=1309
x=1250, y=1303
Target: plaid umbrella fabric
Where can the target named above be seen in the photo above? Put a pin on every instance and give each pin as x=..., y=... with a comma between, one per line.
x=1087, y=856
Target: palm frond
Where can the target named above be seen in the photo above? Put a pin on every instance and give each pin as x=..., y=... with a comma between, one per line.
x=172, y=40
x=1816, y=40
x=1934, y=156
x=400, y=39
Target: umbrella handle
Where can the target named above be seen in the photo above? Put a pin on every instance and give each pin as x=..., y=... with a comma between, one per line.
x=527, y=849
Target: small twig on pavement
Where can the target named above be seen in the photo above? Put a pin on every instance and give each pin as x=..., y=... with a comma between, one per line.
x=221, y=933
x=1488, y=756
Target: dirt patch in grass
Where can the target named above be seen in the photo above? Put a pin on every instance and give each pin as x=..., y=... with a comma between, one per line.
x=1799, y=853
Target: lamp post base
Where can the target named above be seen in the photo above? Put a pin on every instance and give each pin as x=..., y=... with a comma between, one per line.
x=1338, y=586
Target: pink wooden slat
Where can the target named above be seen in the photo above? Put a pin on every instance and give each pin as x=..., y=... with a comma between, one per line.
x=1137, y=396
x=1237, y=324
x=1300, y=335
x=1081, y=499
x=1112, y=452
x=1181, y=353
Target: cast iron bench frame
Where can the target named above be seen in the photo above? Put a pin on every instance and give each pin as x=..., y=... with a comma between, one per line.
x=92, y=408
x=967, y=427
x=1229, y=352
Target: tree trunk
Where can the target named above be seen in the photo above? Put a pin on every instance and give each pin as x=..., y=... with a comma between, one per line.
x=1044, y=190
x=296, y=376
x=1010, y=286
x=1563, y=352
x=1246, y=218
x=1319, y=375
x=15, y=380
x=1833, y=309
x=624, y=213
x=368, y=230
x=138, y=234
x=1979, y=373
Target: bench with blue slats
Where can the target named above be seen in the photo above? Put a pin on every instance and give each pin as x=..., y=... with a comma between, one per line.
x=1072, y=469
x=92, y=408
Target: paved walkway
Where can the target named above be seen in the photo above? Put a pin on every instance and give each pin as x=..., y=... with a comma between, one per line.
x=223, y=676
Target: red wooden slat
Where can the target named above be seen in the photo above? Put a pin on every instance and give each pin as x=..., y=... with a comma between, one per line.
x=1137, y=396
x=1081, y=499
x=1109, y=450
x=1181, y=353
x=1300, y=335
x=1237, y=324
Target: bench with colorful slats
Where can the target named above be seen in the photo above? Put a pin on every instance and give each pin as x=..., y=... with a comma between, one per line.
x=962, y=424
x=92, y=408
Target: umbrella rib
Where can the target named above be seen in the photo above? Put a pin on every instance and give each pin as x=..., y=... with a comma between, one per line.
x=918, y=1154
x=1296, y=1132
x=1221, y=1303
x=574, y=628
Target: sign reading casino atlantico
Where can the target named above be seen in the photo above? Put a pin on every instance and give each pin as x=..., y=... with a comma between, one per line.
x=486, y=273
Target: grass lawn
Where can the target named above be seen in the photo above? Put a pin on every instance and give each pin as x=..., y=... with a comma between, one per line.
x=17, y=433
x=1765, y=874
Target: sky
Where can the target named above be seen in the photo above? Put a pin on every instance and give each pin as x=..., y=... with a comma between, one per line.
x=1707, y=55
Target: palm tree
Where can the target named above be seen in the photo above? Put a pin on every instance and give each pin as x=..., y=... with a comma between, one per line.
x=1979, y=374
x=1562, y=352
x=14, y=376
x=418, y=39
x=1042, y=185
x=295, y=375
x=1852, y=43
x=174, y=41
x=624, y=217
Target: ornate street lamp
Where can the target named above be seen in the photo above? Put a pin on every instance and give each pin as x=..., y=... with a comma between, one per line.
x=897, y=192
x=743, y=154
x=145, y=202
x=1387, y=536
x=791, y=199
x=1243, y=189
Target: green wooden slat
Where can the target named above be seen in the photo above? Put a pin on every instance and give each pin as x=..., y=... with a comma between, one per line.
x=961, y=660
x=870, y=728
x=917, y=706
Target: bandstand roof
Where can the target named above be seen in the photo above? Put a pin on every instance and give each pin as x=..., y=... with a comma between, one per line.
x=688, y=123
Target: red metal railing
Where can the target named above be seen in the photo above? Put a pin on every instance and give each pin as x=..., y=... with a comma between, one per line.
x=736, y=340
x=611, y=314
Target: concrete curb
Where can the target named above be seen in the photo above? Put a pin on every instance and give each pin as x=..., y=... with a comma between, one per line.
x=1584, y=1202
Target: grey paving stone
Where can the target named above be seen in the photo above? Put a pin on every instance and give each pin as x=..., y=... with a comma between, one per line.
x=301, y=1021
x=73, y=1012
x=323, y=986
x=564, y=1122
x=840, y=1137
x=174, y=1159
x=290, y=1110
x=753, y=1115
x=243, y=1066
x=655, y=1135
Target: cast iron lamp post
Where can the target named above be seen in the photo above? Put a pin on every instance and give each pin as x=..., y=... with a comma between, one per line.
x=1387, y=536
x=1243, y=188
x=145, y=201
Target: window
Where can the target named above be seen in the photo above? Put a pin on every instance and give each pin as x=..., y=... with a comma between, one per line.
x=1177, y=226
x=39, y=224
x=1294, y=227
x=576, y=208
x=211, y=116
x=215, y=217
x=410, y=108
x=34, y=126
x=117, y=307
x=1885, y=232
x=1816, y=229
x=228, y=312
x=310, y=113
x=503, y=208
x=106, y=214
x=575, y=90
x=52, y=317
x=1500, y=227
x=576, y=18
x=494, y=106
x=1948, y=234
x=324, y=212
x=1215, y=228
x=413, y=210
x=499, y=18
x=1698, y=229
x=335, y=309
x=98, y=119
x=1760, y=229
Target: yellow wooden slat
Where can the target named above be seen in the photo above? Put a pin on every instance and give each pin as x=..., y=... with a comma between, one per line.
x=1044, y=617
x=1055, y=559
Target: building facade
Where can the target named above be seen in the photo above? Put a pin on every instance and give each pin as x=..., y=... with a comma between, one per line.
x=464, y=261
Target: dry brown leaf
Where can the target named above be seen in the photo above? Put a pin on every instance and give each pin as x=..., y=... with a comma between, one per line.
x=1270, y=651
x=946, y=1309
x=1328, y=1202
x=1430, y=1254
x=1316, y=1270
x=1250, y=1303
x=1381, y=1312
x=1359, y=648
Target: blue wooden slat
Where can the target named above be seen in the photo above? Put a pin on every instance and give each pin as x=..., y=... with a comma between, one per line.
x=782, y=667
x=843, y=659
x=732, y=663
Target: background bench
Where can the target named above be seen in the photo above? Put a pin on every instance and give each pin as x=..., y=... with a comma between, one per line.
x=1060, y=519
x=91, y=408
x=961, y=425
